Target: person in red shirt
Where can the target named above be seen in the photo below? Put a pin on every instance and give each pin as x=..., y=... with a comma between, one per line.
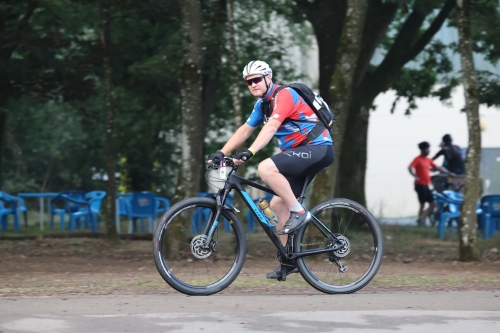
x=420, y=169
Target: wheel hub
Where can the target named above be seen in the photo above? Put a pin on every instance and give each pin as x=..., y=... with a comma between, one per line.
x=197, y=247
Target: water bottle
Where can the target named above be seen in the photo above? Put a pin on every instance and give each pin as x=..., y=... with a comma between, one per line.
x=264, y=205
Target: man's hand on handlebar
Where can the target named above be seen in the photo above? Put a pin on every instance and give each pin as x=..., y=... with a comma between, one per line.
x=216, y=158
x=241, y=157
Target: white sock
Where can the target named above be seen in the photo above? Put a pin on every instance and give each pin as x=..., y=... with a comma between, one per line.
x=296, y=208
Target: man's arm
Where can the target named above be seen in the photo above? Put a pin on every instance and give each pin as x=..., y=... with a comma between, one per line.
x=265, y=135
x=439, y=153
x=412, y=172
x=238, y=138
x=444, y=170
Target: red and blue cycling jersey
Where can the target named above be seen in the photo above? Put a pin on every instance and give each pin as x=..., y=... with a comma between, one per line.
x=296, y=117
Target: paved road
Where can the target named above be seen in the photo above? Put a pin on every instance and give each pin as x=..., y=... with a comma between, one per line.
x=476, y=311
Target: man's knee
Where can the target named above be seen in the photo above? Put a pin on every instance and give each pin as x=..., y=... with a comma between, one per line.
x=267, y=167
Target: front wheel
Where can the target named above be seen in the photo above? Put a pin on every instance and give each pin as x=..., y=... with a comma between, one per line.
x=179, y=249
x=356, y=256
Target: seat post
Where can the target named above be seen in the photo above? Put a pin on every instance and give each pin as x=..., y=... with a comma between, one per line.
x=302, y=194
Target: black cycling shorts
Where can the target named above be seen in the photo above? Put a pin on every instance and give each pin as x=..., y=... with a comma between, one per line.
x=296, y=163
x=424, y=194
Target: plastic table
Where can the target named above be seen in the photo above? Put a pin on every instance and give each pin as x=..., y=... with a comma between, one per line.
x=42, y=197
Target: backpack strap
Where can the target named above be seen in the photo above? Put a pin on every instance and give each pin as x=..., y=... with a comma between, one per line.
x=268, y=106
x=313, y=134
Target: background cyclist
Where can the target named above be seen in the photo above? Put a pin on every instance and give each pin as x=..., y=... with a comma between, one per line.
x=289, y=120
x=453, y=160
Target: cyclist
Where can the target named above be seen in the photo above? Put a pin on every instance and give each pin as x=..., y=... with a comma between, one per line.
x=420, y=169
x=290, y=119
x=453, y=160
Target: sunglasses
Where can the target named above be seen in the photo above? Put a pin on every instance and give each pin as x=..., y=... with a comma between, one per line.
x=255, y=80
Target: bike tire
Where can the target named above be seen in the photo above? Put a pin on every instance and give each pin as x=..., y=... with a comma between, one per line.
x=365, y=247
x=176, y=254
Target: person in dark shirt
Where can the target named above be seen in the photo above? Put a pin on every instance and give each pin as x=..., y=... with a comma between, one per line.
x=453, y=160
x=420, y=169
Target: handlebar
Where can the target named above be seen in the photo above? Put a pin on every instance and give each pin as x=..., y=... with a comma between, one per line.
x=229, y=162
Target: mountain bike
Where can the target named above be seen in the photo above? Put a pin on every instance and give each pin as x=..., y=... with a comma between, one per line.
x=339, y=251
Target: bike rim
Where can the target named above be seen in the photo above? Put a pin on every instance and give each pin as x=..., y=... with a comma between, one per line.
x=181, y=256
x=362, y=258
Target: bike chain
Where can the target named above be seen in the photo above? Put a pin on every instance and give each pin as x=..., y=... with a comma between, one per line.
x=312, y=244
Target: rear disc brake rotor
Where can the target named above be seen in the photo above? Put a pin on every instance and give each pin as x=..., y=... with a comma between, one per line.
x=342, y=251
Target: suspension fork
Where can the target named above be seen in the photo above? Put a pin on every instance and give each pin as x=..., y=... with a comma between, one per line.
x=213, y=223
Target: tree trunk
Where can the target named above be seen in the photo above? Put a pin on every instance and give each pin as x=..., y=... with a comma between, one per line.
x=110, y=118
x=233, y=64
x=235, y=86
x=352, y=162
x=327, y=18
x=467, y=249
x=214, y=48
x=3, y=121
x=340, y=93
x=188, y=182
x=9, y=41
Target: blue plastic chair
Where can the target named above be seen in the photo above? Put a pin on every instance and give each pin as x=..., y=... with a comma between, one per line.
x=4, y=212
x=489, y=219
x=67, y=206
x=123, y=203
x=16, y=206
x=122, y=208
x=250, y=217
x=162, y=205
x=88, y=209
x=448, y=203
x=142, y=205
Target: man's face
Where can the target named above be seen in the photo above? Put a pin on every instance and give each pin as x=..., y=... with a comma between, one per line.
x=258, y=89
x=426, y=151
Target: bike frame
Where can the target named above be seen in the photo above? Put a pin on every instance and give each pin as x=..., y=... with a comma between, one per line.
x=235, y=182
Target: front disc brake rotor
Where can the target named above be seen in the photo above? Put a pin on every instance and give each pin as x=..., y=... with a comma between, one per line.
x=197, y=247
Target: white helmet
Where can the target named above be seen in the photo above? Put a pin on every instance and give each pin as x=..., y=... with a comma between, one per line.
x=257, y=67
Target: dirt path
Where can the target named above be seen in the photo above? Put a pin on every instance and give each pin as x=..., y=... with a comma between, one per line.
x=93, y=267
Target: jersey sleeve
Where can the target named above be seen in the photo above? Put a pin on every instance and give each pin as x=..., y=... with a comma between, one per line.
x=255, y=118
x=414, y=163
x=284, y=105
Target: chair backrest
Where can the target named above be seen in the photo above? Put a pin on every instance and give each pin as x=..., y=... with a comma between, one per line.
x=162, y=202
x=123, y=203
x=491, y=204
x=454, y=207
x=95, y=199
x=13, y=201
x=69, y=206
x=143, y=204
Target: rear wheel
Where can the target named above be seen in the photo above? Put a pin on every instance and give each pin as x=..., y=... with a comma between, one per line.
x=354, y=260
x=180, y=255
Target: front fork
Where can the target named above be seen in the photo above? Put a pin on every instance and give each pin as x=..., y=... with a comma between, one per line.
x=211, y=226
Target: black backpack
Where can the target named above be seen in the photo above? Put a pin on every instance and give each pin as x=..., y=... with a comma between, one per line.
x=315, y=102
